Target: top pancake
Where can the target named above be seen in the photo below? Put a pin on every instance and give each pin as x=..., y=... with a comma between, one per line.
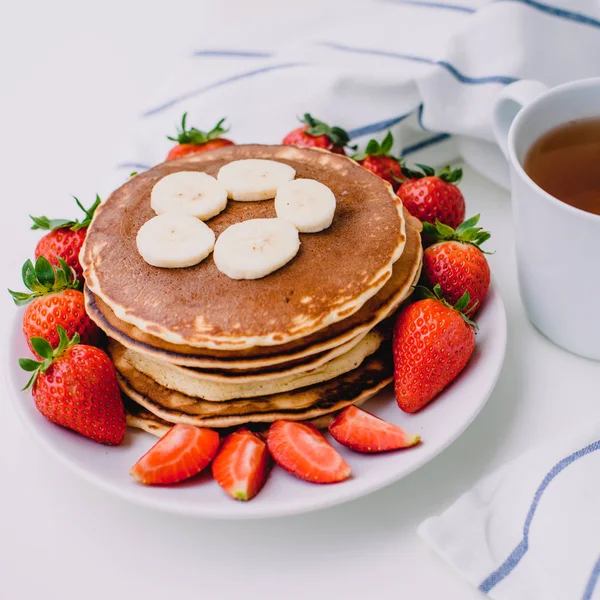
x=333, y=275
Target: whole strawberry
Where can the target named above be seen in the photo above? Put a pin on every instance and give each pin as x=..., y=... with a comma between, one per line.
x=54, y=299
x=456, y=262
x=317, y=134
x=76, y=386
x=65, y=238
x=377, y=159
x=191, y=141
x=432, y=198
x=432, y=344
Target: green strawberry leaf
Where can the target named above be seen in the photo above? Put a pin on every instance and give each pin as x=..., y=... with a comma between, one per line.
x=450, y=176
x=42, y=279
x=428, y=171
x=53, y=224
x=195, y=136
x=386, y=144
x=28, y=364
x=460, y=306
x=43, y=349
x=337, y=135
x=467, y=233
x=44, y=273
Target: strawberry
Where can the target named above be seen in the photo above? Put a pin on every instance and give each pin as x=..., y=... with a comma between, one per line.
x=432, y=344
x=316, y=134
x=65, y=238
x=302, y=450
x=377, y=159
x=190, y=141
x=430, y=197
x=361, y=431
x=456, y=261
x=242, y=464
x=76, y=386
x=180, y=454
x=55, y=299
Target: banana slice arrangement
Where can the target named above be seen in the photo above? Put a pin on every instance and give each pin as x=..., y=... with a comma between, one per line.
x=189, y=192
x=177, y=237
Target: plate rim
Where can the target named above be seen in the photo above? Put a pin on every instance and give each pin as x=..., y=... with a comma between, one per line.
x=260, y=512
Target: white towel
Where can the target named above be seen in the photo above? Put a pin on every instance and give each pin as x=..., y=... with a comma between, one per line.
x=430, y=71
x=531, y=530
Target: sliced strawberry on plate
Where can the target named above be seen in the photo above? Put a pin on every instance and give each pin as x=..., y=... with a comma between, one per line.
x=303, y=451
x=242, y=464
x=181, y=453
x=361, y=431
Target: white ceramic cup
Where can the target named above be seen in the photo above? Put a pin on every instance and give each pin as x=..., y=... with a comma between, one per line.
x=558, y=246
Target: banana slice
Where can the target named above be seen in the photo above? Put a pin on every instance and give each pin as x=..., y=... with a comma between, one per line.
x=306, y=203
x=174, y=240
x=254, y=248
x=254, y=179
x=189, y=192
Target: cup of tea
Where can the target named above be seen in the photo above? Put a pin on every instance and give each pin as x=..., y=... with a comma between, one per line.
x=551, y=138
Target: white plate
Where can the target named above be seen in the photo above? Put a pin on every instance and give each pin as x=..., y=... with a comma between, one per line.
x=439, y=424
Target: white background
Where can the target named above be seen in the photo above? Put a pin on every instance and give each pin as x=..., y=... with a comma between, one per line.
x=73, y=77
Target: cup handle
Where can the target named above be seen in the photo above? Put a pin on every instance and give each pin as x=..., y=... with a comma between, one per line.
x=509, y=102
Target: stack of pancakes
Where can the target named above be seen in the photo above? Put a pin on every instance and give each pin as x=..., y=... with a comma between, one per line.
x=194, y=346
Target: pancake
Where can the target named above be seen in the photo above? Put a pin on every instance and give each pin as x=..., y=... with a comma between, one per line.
x=321, y=345
x=335, y=272
x=220, y=388
x=299, y=405
x=140, y=418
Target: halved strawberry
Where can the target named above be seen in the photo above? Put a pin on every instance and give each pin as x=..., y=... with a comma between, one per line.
x=303, y=451
x=242, y=464
x=361, y=431
x=181, y=453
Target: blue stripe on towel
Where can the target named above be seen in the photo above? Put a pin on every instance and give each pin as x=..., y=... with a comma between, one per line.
x=504, y=79
x=376, y=127
x=436, y=139
x=216, y=84
x=570, y=15
x=233, y=53
x=517, y=554
x=591, y=584
x=133, y=165
x=457, y=7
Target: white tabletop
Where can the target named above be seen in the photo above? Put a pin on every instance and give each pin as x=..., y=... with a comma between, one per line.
x=74, y=75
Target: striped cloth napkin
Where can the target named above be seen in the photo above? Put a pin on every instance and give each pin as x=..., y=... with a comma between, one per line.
x=531, y=530
x=430, y=72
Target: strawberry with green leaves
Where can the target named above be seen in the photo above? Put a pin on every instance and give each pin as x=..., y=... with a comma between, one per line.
x=65, y=238
x=432, y=343
x=54, y=298
x=191, y=141
x=317, y=134
x=430, y=197
x=456, y=262
x=377, y=159
x=76, y=386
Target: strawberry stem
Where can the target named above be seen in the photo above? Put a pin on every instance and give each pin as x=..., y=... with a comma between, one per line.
x=49, y=355
x=467, y=232
x=459, y=307
x=337, y=135
x=53, y=224
x=43, y=279
x=195, y=136
x=374, y=148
